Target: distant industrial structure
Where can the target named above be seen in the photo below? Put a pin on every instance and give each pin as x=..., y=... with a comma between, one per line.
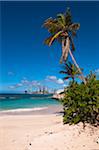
x=40, y=90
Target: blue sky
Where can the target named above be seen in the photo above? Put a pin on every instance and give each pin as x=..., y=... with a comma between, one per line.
x=25, y=58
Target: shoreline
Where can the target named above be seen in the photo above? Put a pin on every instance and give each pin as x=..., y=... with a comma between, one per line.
x=23, y=109
x=46, y=110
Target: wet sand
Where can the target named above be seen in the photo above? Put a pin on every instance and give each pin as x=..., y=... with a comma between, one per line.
x=51, y=109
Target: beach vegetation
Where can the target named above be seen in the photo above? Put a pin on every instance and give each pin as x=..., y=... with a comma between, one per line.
x=81, y=102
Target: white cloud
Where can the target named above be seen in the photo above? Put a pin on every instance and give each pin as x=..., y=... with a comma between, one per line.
x=52, y=77
x=97, y=71
x=25, y=81
x=65, y=85
x=59, y=81
x=55, y=79
x=18, y=85
x=15, y=86
x=35, y=83
x=11, y=87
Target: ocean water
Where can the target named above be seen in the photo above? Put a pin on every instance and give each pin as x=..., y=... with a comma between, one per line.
x=20, y=101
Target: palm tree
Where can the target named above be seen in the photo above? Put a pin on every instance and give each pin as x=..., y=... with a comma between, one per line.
x=71, y=71
x=63, y=29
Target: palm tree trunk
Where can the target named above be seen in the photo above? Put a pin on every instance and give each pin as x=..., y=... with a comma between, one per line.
x=63, y=51
x=66, y=48
x=83, y=78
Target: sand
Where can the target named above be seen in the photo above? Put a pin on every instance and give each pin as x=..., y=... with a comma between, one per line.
x=45, y=132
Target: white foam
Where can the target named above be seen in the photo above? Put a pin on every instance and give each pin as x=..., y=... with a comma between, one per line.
x=25, y=109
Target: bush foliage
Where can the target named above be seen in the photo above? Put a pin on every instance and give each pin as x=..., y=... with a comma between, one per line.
x=81, y=102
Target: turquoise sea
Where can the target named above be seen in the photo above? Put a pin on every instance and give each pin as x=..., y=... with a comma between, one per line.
x=19, y=101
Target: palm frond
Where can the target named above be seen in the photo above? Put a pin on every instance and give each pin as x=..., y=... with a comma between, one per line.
x=71, y=71
x=47, y=23
x=74, y=26
x=55, y=37
x=73, y=33
x=52, y=25
x=51, y=39
x=47, y=40
x=68, y=17
x=65, y=78
x=61, y=19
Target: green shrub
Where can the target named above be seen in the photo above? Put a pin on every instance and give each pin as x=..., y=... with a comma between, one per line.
x=81, y=102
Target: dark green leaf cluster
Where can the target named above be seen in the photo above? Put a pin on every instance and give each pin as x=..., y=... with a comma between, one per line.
x=81, y=102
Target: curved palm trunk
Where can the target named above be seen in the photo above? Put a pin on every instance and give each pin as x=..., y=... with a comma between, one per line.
x=83, y=78
x=66, y=45
x=65, y=49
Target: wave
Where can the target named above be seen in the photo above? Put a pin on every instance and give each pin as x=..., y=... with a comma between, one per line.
x=24, y=109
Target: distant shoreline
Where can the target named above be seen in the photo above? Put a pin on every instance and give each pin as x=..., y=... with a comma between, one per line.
x=22, y=95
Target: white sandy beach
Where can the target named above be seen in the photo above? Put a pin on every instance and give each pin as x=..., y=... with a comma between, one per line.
x=45, y=132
